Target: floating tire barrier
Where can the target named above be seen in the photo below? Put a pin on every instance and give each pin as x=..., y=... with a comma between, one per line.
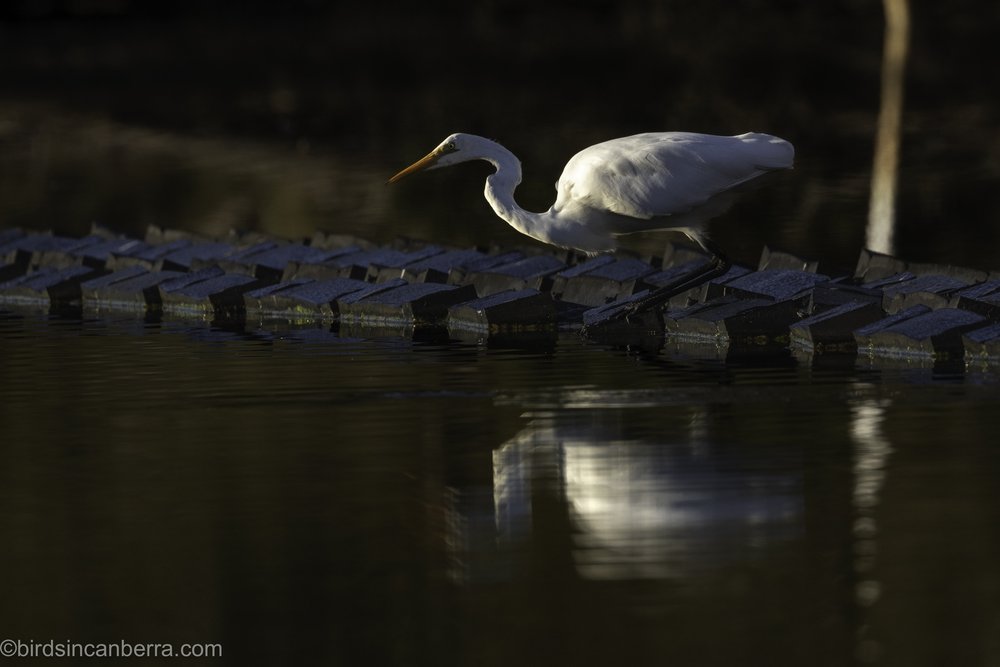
x=886, y=308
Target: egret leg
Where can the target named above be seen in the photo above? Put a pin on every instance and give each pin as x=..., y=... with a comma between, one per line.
x=717, y=266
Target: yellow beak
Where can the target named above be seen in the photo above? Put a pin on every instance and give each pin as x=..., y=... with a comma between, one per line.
x=423, y=163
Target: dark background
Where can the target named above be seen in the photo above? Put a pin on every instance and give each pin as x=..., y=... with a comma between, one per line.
x=363, y=89
x=286, y=499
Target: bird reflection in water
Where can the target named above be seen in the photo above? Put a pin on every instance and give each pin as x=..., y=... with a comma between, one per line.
x=628, y=507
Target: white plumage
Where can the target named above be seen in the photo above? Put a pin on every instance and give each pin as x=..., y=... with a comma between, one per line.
x=645, y=182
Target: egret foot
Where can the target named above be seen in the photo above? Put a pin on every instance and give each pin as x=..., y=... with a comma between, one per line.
x=718, y=265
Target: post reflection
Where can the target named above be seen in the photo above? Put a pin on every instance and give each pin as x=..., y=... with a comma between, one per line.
x=642, y=505
x=871, y=454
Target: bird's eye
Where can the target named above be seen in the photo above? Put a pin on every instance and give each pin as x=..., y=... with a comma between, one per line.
x=451, y=148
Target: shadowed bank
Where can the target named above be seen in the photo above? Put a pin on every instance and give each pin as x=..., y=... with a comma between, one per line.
x=359, y=90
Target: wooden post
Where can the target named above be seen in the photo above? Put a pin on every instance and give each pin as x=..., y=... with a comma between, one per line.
x=881, y=210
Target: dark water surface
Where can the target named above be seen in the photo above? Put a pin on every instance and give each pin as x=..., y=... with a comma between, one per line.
x=307, y=499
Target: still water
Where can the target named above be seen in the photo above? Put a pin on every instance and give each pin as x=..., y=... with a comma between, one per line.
x=305, y=498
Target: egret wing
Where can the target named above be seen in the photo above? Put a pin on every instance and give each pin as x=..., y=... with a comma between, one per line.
x=666, y=173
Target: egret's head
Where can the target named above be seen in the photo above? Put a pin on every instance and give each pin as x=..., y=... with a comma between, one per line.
x=454, y=149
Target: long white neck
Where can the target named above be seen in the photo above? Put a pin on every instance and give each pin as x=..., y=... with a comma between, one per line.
x=500, y=188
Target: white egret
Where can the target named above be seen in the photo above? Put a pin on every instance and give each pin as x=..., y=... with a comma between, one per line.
x=646, y=182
